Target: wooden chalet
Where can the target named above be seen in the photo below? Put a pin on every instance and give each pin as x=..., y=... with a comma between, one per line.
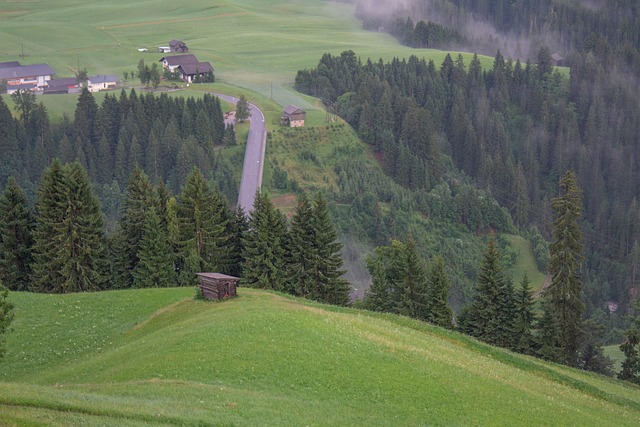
x=187, y=65
x=217, y=286
x=293, y=117
x=178, y=46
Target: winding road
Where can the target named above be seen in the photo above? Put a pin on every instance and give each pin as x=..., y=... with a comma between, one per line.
x=253, y=156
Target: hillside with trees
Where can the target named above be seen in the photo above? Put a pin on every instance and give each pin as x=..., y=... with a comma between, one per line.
x=514, y=129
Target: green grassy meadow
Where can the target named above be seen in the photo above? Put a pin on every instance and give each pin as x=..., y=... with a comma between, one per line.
x=525, y=263
x=159, y=357
x=255, y=44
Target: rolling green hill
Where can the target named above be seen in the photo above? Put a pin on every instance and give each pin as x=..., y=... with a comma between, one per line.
x=158, y=357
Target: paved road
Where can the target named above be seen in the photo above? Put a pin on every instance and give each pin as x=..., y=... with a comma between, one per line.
x=253, y=156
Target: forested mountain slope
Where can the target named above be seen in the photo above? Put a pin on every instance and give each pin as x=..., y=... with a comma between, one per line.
x=515, y=129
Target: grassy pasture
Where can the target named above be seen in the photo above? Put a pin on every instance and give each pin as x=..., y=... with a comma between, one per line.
x=255, y=44
x=165, y=359
x=526, y=263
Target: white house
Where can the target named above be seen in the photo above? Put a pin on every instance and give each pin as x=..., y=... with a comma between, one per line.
x=36, y=75
x=101, y=82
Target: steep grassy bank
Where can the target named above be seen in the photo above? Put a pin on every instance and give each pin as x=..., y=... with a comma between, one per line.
x=158, y=357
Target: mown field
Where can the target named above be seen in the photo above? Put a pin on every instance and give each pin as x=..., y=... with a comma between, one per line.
x=255, y=44
x=158, y=357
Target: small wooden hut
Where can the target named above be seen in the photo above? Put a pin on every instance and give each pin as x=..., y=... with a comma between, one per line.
x=217, y=286
x=293, y=117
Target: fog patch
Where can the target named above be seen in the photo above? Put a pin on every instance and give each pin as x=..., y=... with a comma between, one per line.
x=481, y=35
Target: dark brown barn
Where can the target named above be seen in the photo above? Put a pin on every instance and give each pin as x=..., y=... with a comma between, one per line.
x=217, y=286
x=293, y=116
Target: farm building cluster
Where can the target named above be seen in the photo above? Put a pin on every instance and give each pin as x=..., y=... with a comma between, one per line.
x=39, y=79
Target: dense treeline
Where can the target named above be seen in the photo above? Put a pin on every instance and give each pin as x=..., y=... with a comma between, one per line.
x=515, y=128
x=165, y=136
x=161, y=239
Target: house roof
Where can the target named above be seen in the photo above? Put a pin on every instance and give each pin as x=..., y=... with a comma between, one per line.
x=292, y=109
x=175, y=42
x=13, y=88
x=105, y=78
x=217, y=276
x=26, y=71
x=64, y=82
x=556, y=57
x=176, y=60
x=197, y=67
x=9, y=64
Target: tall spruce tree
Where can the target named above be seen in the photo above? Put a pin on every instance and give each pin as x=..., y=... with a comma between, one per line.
x=302, y=249
x=69, y=238
x=489, y=317
x=329, y=285
x=592, y=357
x=6, y=315
x=525, y=318
x=412, y=284
x=240, y=226
x=16, y=237
x=202, y=224
x=437, y=309
x=385, y=267
x=155, y=267
x=47, y=274
x=548, y=345
x=264, y=246
x=138, y=200
x=565, y=261
x=378, y=296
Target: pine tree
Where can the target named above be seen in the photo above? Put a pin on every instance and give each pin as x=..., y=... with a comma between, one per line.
x=16, y=237
x=329, y=285
x=565, y=262
x=138, y=200
x=592, y=357
x=525, y=318
x=489, y=316
x=412, y=284
x=173, y=235
x=437, y=310
x=6, y=315
x=155, y=268
x=69, y=245
x=302, y=249
x=631, y=364
x=202, y=223
x=240, y=227
x=47, y=276
x=378, y=296
x=547, y=336
x=264, y=246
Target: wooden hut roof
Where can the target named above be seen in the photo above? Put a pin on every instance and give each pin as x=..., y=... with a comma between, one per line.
x=217, y=276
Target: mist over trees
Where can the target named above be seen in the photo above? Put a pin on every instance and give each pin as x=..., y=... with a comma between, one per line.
x=518, y=28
